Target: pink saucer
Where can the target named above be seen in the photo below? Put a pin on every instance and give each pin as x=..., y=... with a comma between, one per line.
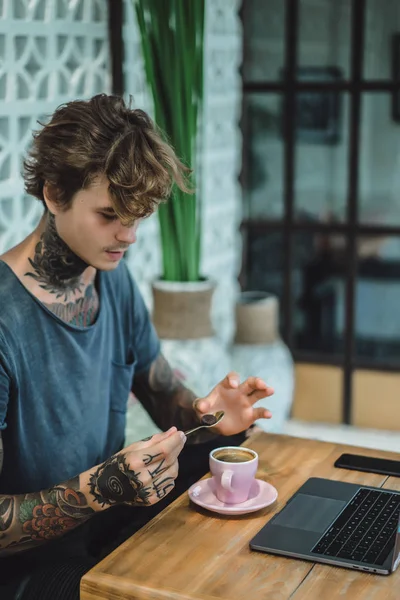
x=262, y=494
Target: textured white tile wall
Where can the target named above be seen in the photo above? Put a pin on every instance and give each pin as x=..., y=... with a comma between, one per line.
x=51, y=51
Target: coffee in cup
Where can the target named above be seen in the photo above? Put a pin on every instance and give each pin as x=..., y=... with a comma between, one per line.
x=233, y=469
x=233, y=455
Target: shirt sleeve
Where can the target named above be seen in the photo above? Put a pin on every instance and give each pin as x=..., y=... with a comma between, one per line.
x=146, y=343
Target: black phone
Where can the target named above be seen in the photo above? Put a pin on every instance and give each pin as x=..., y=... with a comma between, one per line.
x=356, y=462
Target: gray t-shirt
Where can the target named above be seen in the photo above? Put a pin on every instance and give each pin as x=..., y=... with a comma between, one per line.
x=63, y=388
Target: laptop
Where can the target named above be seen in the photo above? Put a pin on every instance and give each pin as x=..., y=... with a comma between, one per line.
x=337, y=523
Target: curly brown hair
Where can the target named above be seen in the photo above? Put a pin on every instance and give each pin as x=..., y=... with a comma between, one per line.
x=104, y=136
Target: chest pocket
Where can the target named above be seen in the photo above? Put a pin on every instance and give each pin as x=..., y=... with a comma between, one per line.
x=121, y=383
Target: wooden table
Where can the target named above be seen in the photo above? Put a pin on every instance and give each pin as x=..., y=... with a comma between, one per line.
x=186, y=553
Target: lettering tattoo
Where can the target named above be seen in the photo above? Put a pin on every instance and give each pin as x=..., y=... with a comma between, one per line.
x=162, y=487
x=167, y=400
x=55, y=267
x=115, y=482
x=159, y=470
x=28, y=519
x=81, y=312
x=149, y=458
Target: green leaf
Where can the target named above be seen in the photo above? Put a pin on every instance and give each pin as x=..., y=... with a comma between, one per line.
x=26, y=510
x=172, y=43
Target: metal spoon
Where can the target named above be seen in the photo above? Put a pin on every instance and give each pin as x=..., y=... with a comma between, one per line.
x=209, y=420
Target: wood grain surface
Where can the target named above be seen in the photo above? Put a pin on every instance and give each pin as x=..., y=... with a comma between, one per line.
x=187, y=553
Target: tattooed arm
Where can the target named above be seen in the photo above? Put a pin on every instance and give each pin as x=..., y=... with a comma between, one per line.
x=139, y=475
x=167, y=400
x=29, y=519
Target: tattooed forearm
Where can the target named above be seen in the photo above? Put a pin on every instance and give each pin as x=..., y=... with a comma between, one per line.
x=167, y=400
x=26, y=520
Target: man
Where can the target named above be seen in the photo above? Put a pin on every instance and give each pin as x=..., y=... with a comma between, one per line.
x=75, y=338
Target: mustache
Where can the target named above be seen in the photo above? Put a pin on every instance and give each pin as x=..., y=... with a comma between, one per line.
x=118, y=249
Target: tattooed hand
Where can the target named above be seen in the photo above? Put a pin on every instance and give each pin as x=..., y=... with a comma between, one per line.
x=141, y=474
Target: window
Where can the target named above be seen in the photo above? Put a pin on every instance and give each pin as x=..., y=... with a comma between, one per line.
x=321, y=177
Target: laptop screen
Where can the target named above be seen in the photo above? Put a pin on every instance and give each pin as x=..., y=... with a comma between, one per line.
x=396, y=553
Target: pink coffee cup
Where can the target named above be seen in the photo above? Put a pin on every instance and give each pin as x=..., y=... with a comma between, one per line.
x=233, y=469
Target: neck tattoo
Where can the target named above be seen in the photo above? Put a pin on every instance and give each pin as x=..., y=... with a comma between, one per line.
x=55, y=267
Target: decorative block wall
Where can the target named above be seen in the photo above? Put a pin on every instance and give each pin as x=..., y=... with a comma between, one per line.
x=51, y=51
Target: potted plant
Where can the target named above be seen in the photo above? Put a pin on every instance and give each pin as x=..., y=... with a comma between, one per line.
x=172, y=42
x=172, y=35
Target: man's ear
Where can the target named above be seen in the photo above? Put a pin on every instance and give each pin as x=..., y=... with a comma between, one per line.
x=50, y=198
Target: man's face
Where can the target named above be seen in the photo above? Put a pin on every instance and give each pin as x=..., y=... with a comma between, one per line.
x=92, y=230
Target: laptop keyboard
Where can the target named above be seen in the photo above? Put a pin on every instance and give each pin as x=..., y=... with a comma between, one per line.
x=366, y=529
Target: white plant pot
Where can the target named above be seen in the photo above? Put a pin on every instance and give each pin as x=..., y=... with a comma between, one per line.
x=259, y=351
x=273, y=363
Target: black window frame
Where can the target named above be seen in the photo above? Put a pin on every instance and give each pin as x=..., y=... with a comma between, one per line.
x=355, y=85
x=115, y=10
